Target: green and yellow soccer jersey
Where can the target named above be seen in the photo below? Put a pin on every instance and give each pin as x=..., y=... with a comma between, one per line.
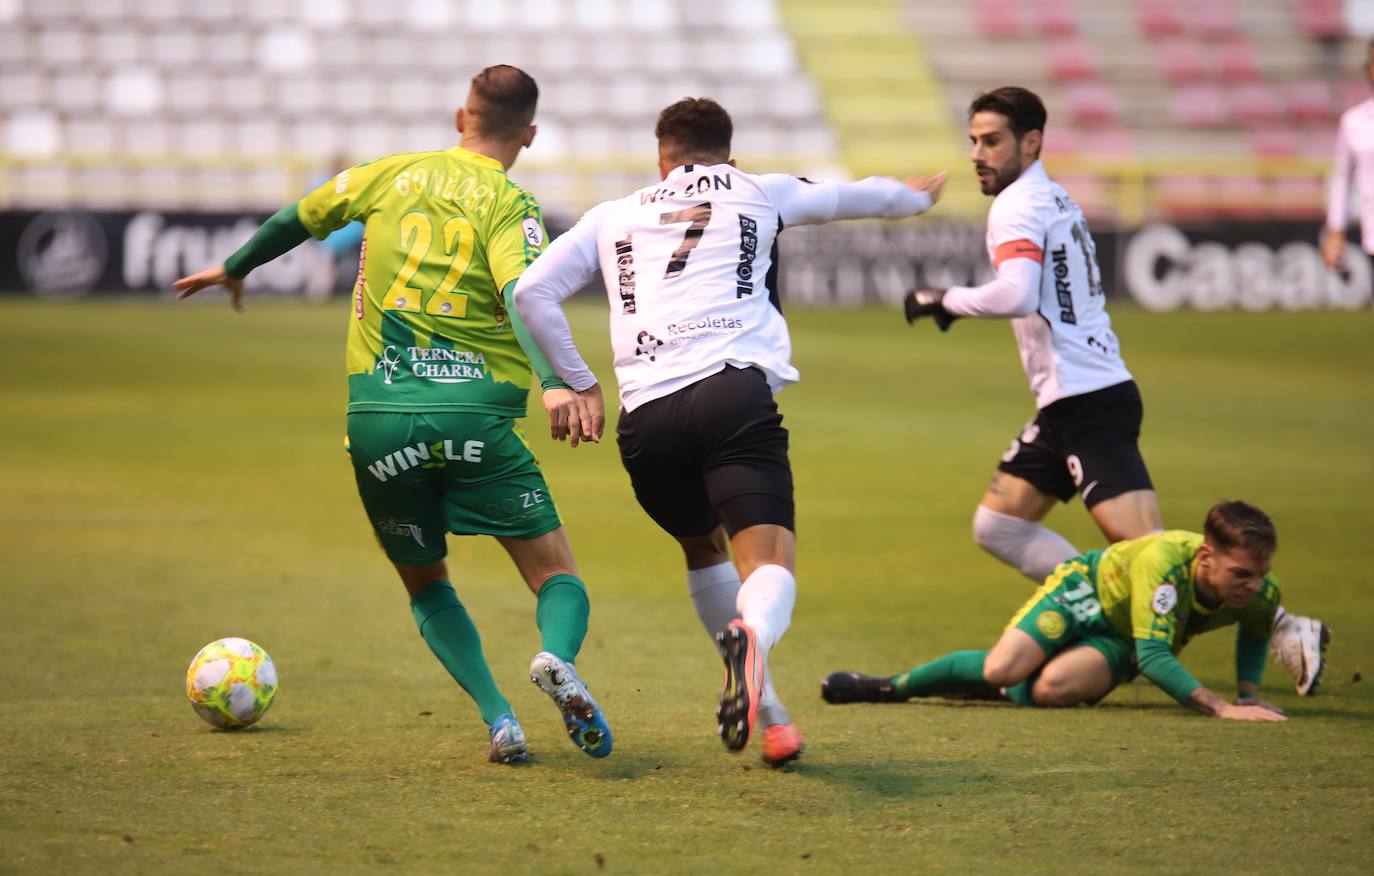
x=444, y=233
x=1147, y=587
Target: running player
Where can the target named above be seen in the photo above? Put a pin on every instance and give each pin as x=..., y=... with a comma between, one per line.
x=1102, y=614
x=1084, y=438
x=1354, y=163
x=436, y=380
x=700, y=348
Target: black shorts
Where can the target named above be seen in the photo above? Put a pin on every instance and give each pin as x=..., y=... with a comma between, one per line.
x=709, y=454
x=1084, y=443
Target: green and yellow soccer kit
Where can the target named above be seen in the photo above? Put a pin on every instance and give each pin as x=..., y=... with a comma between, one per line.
x=1137, y=602
x=436, y=372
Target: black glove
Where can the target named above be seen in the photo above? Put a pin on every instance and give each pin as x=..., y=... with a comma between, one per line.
x=927, y=302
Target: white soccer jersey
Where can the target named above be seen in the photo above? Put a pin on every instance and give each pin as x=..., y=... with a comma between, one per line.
x=1354, y=157
x=687, y=267
x=1067, y=345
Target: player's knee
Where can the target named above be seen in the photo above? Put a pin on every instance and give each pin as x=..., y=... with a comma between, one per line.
x=1001, y=672
x=1054, y=689
x=702, y=551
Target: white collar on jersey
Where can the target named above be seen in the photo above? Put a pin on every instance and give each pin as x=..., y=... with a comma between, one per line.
x=693, y=168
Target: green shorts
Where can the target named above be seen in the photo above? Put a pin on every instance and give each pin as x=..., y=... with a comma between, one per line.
x=1065, y=613
x=422, y=475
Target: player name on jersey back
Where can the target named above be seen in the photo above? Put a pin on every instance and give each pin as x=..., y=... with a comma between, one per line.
x=687, y=262
x=1067, y=346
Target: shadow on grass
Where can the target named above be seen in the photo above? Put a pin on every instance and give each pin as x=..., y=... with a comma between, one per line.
x=908, y=780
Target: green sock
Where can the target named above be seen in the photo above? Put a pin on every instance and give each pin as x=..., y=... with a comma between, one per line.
x=562, y=616
x=453, y=638
x=959, y=673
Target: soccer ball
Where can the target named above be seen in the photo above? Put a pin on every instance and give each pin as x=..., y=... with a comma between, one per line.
x=231, y=683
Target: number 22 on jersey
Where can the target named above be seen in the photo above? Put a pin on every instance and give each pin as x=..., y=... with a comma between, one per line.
x=417, y=235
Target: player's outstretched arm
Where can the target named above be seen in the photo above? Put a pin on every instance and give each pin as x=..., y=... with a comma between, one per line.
x=216, y=276
x=1158, y=663
x=279, y=234
x=1205, y=702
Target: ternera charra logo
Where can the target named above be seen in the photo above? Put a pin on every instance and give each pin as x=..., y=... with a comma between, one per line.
x=387, y=364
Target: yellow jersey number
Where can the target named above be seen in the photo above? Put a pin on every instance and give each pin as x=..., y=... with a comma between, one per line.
x=417, y=234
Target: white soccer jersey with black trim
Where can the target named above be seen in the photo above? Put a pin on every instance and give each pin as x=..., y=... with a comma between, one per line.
x=688, y=267
x=1067, y=346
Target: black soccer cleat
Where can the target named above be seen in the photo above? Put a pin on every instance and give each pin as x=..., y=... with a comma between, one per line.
x=854, y=687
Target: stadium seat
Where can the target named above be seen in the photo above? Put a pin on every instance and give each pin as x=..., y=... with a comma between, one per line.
x=1183, y=197
x=1159, y=18
x=1258, y=103
x=1200, y=105
x=149, y=136
x=335, y=13
x=1181, y=60
x=1236, y=60
x=119, y=45
x=195, y=93
x=1321, y=19
x=76, y=91
x=1071, y=59
x=1091, y=103
x=33, y=133
x=997, y=19
x=89, y=135
x=1215, y=19
x=1351, y=92
x=1301, y=197
x=1242, y=197
x=243, y=93
x=62, y=46
x=286, y=49
x=176, y=48
x=203, y=135
x=1052, y=18
x=1274, y=142
x=134, y=91
x=20, y=87
x=315, y=136
x=1310, y=101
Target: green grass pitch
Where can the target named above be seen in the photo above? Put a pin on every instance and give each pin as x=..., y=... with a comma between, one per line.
x=172, y=474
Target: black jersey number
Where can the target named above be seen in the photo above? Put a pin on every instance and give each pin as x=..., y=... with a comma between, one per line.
x=1086, y=246
x=698, y=215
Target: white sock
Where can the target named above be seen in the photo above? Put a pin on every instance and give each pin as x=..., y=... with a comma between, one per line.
x=765, y=603
x=714, y=591
x=1022, y=544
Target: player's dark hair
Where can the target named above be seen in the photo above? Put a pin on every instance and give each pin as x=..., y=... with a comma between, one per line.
x=503, y=99
x=695, y=128
x=1235, y=524
x=1023, y=108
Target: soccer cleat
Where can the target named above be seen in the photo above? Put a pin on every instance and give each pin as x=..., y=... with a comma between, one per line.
x=583, y=718
x=739, y=702
x=507, y=741
x=782, y=744
x=1299, y=643
x=854, y=687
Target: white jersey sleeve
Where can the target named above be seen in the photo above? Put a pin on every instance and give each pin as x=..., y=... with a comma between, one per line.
x=800, y=201
x=566, y=265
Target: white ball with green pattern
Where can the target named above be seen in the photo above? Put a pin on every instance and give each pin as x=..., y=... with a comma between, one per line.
x=231, y=683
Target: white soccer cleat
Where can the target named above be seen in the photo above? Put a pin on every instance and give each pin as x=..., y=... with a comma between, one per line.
x=582, y=717
x=1299, y=643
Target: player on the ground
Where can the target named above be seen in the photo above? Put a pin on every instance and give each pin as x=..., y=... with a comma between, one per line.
x=1101, y=615
x=1084, y=437
x=436, y=381
x=700, y=347
x=1354, y=162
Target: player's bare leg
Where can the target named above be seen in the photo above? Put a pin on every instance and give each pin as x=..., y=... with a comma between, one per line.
x=450, y=633
x=546, y=563
x=1012, y=660
x=1132, y=514
x=1075, y=676
x=1007, y=525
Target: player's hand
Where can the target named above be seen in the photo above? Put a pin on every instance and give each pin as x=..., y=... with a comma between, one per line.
x=575, y=416
x=1263, y=704
x=928, y=302
x=594, y=407
x=931, y=185
x=1333, y=249
x=1237, y=712
x=215, y=276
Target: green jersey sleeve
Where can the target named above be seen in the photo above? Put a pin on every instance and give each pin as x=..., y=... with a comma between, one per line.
x=516, y=240
x=346, y=198
x=1158, y=584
